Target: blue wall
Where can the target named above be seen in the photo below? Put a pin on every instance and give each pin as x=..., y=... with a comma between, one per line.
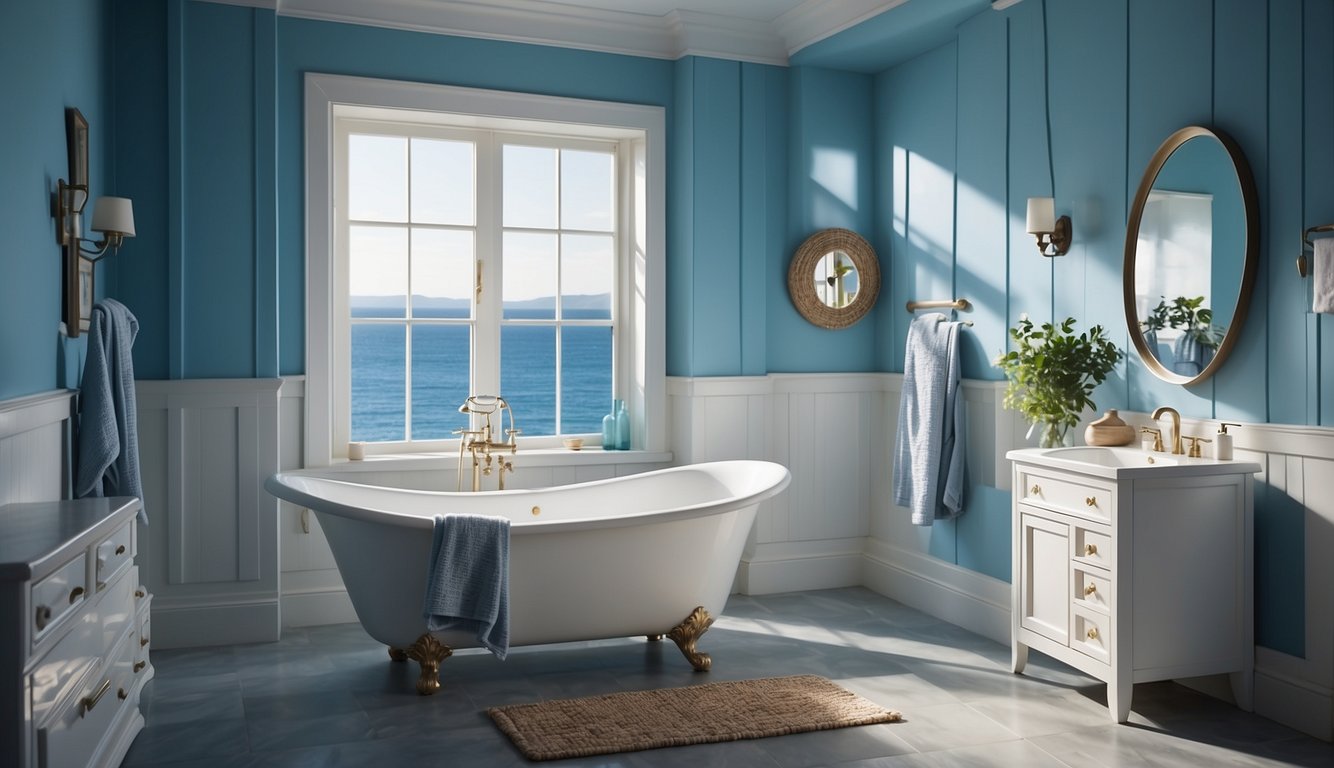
x=54, y=55
x=1071, y=99
x=222, y=288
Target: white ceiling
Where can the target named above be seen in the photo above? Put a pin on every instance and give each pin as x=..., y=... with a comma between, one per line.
x=755, y=10
x=766, y=31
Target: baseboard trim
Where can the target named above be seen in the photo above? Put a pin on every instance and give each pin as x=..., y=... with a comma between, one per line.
x=966, y=598
x=316, y=607
x=1295, y=703
x=767, y=573
x=192, y=626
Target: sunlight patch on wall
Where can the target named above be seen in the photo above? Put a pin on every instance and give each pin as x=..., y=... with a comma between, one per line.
x=836, y=171
x=900, y=191
x=931, y=188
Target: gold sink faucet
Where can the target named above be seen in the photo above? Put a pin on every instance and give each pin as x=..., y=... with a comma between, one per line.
x=1176, y=426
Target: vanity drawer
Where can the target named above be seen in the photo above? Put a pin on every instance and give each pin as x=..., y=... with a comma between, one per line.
x=115, y=552
x=1076, y=498
x=1092, y=588
x=56, y=595
x=1091, y=634
x=1094, y=547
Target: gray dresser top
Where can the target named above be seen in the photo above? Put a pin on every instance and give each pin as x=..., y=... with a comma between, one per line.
x=36, y=537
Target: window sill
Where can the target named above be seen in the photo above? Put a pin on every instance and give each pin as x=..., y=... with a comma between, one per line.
x=535, y=457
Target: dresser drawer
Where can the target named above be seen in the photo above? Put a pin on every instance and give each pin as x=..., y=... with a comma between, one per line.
x=114, y=553
x=71, y=735
x=1092, y=588
x=1066, y=495
x=1093, y=546
x=116, y=610
x=79, y=651
x=1091, y=634
x=56, y=595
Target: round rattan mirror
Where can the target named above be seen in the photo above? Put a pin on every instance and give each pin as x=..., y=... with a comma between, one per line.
x=834, y=278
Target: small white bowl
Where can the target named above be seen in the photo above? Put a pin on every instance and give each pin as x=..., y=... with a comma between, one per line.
x=574, y=443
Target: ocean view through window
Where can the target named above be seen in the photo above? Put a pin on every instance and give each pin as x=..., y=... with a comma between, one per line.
x=478, y=262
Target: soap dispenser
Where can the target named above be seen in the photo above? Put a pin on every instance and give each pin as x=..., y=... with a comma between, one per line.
x=1223, y=442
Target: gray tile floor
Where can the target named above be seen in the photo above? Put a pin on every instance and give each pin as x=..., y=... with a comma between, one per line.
x=329, y=696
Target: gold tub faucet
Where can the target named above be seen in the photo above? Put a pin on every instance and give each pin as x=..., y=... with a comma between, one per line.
x=1176, y=426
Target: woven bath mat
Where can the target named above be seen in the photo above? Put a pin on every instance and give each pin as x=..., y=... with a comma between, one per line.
x=672, y=717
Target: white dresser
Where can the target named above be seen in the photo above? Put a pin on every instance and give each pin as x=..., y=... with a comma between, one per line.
x=74, y=633
x=1134, y=567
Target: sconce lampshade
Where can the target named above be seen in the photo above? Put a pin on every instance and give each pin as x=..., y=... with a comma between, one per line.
x=1041, y=215
x=114, y=214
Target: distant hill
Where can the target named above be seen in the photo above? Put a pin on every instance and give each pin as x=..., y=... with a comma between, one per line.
x=574, y=301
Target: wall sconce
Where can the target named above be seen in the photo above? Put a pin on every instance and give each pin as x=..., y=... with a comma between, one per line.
x=1053, y=234
x=113, y=217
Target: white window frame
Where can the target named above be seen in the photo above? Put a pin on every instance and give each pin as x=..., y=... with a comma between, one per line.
x=640, y=375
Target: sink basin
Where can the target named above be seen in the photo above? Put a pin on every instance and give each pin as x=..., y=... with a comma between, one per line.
x=1113, y=457
x=1117, y=462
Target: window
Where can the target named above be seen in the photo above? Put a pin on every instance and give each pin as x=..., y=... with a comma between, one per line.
x=472, y=244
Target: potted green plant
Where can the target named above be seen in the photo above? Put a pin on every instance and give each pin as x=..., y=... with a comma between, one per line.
x=1199, y=340
x=1052, y=372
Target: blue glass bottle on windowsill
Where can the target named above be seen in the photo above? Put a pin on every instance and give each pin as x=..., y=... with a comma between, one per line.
x=622, y=427
x=609, y=426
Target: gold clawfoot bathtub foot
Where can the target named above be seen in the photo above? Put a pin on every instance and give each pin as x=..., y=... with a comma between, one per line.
x=428, y=652
x=688, y=632
x=397, y=654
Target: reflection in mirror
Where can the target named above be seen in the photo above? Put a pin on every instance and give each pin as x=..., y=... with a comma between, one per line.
x=836, y=280
x=1190, y=255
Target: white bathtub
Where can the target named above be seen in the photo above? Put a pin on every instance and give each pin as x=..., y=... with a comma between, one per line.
x=638, y=555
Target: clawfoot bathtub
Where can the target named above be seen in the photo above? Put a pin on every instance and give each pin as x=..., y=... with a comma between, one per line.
x=651, y=554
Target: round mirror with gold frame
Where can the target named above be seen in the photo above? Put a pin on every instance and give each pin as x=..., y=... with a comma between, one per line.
x=1191, y=254
x=834, y=278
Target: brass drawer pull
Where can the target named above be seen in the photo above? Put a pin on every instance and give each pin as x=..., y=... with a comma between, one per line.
x=139, y=666
x=120, y=550
x=1090, y=589
x=139, y=593
x=143, y=641
x=75, y=594
x=1093, y=633
x=91, y=701
x=1091, y=501
x=1090, y=550
x=43, y=616
x=122, y=694
x=1036, y=490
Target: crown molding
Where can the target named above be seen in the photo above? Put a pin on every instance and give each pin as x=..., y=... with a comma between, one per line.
x=676, y=34
x=815, y=20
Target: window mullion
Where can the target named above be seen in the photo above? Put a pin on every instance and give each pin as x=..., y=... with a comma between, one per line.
x=486, y=335
x=410, y=310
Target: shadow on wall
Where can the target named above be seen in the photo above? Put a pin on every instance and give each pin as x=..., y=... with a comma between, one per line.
x=1280, y=578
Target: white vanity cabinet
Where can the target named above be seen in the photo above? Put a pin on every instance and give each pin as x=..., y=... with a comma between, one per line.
x=73, y=633
x=1133, y=568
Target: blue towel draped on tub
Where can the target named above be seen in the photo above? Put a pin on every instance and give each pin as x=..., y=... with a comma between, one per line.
x=108, y=460
x=467, y=583
x=929, y=444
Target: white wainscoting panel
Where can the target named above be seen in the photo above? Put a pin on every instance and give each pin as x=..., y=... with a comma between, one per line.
x=211, y=548
x=35, y=447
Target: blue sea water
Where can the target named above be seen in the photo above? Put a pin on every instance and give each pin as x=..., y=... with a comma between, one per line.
x=528, y=362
